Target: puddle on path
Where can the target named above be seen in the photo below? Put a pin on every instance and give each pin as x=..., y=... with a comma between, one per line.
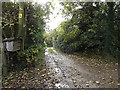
x=59, y=85
x=65, y=70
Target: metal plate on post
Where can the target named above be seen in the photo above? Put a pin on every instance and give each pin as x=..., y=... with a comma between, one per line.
x=9, y=46
x=12, y=44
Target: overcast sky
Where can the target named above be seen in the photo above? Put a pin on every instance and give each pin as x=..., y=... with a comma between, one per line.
x=55, y=19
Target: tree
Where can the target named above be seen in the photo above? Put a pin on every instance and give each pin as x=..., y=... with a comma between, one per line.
x=93, y=27
x=110, y=26
x=24, y=20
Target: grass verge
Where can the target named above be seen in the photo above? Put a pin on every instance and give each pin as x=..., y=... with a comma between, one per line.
x=52, y=51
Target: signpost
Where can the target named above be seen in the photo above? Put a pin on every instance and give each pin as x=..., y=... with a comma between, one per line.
x=9, y=45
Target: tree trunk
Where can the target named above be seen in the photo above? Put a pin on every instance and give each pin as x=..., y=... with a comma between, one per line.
x=109, y=28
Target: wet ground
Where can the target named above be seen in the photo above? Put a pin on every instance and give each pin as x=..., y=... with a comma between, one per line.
x=65, y=71
x=68, y=71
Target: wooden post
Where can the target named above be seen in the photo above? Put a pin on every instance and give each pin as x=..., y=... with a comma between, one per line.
x=21, y=20
x=24, y=25
x=4, y=66
x=25, y=19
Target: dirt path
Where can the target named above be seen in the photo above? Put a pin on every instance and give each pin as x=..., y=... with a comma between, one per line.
x=75, y=72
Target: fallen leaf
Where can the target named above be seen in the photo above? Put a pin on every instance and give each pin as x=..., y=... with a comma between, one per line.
x=97, y=82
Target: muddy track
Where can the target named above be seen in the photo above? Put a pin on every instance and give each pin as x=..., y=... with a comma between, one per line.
x=66, y=73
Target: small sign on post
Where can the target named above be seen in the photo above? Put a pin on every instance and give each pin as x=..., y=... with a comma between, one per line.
x=12, y=44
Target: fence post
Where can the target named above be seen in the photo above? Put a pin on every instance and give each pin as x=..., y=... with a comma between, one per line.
x=4, y=66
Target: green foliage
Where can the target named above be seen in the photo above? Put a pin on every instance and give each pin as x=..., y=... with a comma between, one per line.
x=34, y=26
x=52, y=51
x=88, y=30
x=32, y=55
x=49, y=38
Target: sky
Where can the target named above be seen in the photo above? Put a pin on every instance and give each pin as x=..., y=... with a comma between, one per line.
x=55, y=19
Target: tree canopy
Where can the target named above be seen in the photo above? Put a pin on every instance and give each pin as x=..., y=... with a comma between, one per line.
x=93, y=27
